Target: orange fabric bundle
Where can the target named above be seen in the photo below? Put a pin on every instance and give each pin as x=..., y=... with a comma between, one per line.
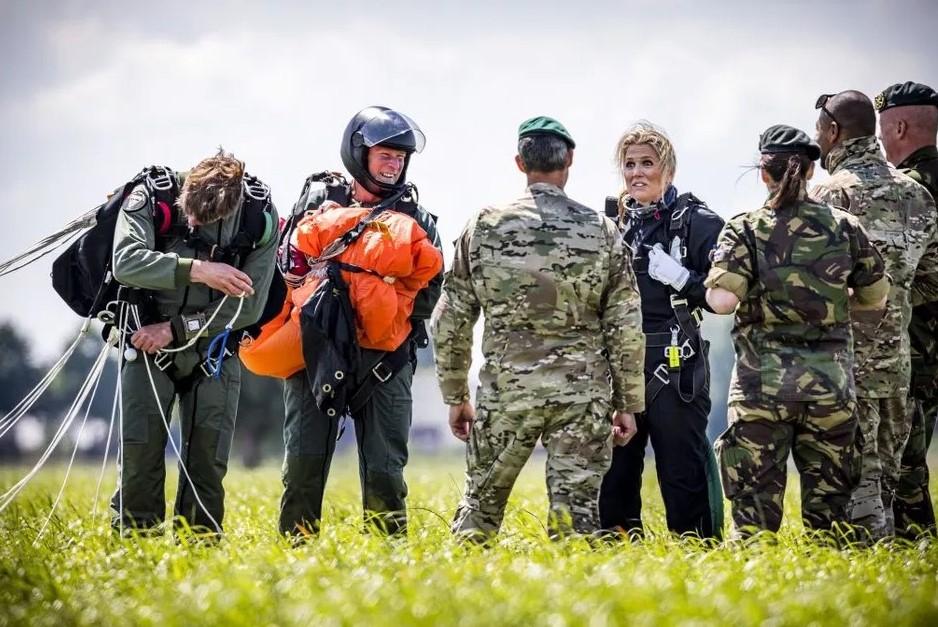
x=394, y=247
x=278, y=350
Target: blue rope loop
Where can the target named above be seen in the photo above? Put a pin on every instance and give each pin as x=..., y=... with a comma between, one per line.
x=217, y=345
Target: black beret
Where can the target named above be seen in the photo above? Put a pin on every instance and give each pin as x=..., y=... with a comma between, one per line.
x=543, y=125
x=905, y=94
x=783, y=138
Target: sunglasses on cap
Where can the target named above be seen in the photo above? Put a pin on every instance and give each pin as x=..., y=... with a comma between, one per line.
x=822, y=105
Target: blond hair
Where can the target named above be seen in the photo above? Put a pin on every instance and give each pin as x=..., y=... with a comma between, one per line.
x=645, y=133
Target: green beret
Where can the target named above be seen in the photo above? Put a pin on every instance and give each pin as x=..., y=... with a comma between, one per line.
x=905, y=94
x=543, y=125
x=783, y=138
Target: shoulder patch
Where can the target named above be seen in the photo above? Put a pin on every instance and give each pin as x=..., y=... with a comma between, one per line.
x=719, y=253
x=136, y=201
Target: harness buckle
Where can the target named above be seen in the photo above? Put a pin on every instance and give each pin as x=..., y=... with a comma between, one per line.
x=661, y=373
x=209, y=366
x=163, y=361
x=677, y=301
x=159, y=178
x=255, y=189
x=687, y=351
x=385, y=374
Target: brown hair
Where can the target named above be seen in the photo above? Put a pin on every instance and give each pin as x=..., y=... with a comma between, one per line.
x=790, y=171
x=212, y=190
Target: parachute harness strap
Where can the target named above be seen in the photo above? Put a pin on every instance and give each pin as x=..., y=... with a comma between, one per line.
x=218, y=347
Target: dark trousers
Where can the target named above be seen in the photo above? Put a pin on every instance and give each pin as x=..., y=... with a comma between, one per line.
x=686, y=467
x=912, y=506
x=207, y=412
x=382, y=426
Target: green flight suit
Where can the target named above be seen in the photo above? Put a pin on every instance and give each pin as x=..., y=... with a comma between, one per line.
x=207, y=407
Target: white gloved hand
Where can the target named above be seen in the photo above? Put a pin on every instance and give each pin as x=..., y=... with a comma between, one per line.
x=663, y=268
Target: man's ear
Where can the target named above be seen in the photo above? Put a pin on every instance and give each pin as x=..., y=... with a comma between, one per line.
x=569, y=161
x=765, y=176
x=902, y=129
x=810, y=173
x=520, y=163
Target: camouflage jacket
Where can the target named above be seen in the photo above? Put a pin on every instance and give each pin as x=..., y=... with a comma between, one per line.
x=791, y=269
x=922, y=166
x=562, y=313
x=164, y=270
x=899, y=216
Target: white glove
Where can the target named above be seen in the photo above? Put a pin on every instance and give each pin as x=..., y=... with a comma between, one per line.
x=663, y=268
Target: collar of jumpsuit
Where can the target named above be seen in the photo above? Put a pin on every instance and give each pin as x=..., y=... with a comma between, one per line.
x=660, y=207
x=856, y=151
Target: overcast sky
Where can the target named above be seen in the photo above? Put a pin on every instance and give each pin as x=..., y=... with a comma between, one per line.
x=90, y=92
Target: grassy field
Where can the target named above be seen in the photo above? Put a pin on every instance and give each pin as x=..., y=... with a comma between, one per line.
x=79, y=573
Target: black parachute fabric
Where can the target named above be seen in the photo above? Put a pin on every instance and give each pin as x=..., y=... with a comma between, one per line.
x=330, y=346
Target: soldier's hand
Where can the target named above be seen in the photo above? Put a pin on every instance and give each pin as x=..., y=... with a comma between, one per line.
x=461, y=418
x=623, y=428
x=152, y=337
x=222, y=277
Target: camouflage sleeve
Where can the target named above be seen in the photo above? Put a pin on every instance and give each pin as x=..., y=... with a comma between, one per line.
x=135, y=261
x=427, y=297
x=451, y=326
x=732, y=262
x=259, y=265
x=621, y=320
x=827, y=194
x=925, y=284
x=868, y=277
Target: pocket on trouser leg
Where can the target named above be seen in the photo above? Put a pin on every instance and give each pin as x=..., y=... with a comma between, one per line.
x=733, y=460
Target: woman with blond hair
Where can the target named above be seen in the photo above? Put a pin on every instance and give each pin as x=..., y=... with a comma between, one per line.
x=671, y=236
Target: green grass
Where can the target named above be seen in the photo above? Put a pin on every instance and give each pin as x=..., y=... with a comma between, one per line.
x=79, y=573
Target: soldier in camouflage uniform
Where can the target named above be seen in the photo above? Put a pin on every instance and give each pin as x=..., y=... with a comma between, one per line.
x=908, y=119
x=562, y=322
x=899, y=215
x=186, y=283
x=789, y=266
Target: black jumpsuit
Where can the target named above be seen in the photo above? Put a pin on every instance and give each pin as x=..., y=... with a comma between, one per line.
x=684, y=460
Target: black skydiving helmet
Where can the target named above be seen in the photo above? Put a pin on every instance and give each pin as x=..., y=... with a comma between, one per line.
x=375, y=126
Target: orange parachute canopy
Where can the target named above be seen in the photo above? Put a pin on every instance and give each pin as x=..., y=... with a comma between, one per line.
x=399, y=261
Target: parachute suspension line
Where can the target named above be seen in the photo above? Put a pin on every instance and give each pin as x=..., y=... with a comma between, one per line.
x=15, y=414
x=96, y=372
x=202, y=331
x=156, y=396
x=87, y=385
x=49, y=243
x=121, y=324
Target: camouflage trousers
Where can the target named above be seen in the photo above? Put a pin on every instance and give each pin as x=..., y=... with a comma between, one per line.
x=754, y=452
x=884, y=428
x=578, y=439
x=912, y=507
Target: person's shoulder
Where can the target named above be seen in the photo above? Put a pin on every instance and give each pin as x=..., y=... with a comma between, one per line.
x=700, y=211
x=912, y=185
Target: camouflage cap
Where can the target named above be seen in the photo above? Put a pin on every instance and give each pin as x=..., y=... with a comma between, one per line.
x=905, y=94
x=543, y=125
x=784, y=138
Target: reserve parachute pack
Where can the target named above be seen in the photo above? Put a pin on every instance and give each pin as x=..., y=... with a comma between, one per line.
x=82, y=274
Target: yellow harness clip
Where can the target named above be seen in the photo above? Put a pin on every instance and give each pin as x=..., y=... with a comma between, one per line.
x=673, y=352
